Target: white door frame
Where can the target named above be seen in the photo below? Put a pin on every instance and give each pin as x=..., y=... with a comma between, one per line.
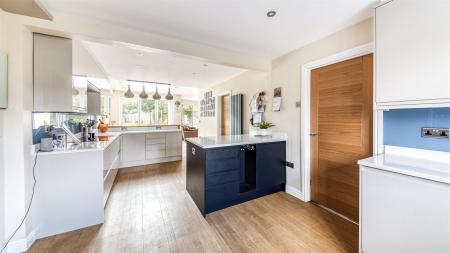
x=219, y=111
x=305, y=94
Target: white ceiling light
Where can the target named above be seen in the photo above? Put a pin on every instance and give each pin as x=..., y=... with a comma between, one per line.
x=271, y=14
x=140, y=54
x=129, y=93
x=143, y=94
x=156, y=96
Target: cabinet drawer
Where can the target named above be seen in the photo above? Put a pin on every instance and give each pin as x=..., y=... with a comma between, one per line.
x=155, y=154
x=221, y=196
x=222, y=153
x=155, y=141
x=155, y=136
x=217, y=179
x=155, y=147
x=214, y=166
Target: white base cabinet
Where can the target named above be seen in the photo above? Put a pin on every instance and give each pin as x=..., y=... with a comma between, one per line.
x=150, y=148
x=400, y=213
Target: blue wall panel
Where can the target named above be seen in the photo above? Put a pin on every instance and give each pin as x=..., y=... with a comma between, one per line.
x=402, y=128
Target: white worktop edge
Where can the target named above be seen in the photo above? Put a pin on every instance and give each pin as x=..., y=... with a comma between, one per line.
x=426, y=164
x=279, y=137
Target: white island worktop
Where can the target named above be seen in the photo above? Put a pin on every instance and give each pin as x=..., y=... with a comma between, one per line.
x=234, y=140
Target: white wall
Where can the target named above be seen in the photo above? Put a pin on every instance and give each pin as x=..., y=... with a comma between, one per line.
x=248, y=83
x=286, y=73
x=16, y=123
x=2, y=165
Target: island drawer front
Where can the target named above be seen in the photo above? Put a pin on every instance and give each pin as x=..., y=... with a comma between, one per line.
x=155, y=141
x=221, y=196
x=214, y=166
x=155, y=154
x=216, y=179
x=155, y=147
x=222, y=153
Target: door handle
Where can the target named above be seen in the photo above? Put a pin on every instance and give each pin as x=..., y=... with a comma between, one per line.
x=313, y=134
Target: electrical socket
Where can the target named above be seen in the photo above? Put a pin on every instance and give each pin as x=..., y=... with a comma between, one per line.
x=289, y=164
x=433, y=132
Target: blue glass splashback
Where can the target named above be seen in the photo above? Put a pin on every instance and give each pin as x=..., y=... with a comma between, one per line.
x=402, y=128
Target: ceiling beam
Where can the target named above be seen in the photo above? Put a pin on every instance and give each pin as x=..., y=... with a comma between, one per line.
x=104, y=32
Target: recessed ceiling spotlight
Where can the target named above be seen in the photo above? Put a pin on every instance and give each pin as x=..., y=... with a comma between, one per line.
x=140, y=54
x=271, y=14
x=205, y=65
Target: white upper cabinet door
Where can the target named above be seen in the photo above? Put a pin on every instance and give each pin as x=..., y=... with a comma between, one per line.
x=133, y=147
x=52, y=63
x=412, y=52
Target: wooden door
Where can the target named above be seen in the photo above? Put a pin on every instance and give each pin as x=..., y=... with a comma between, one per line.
x=225, y=115
x=341, y=132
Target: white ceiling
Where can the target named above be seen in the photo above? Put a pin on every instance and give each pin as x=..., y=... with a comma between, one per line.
x=237, y=25
x=126, y=63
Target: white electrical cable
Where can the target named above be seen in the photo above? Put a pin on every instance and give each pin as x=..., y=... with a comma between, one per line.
x=28, y=208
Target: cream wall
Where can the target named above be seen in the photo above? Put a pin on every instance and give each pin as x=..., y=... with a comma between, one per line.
x=286, y=73
x=248, y=83
x=16, y=124
x=2, y=165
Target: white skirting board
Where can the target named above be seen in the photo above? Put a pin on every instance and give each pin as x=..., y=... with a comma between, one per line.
x=294, y=192
x=148, y=162
x=21, y=245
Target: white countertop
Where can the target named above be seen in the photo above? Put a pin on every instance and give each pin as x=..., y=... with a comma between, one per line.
x=101, y=145
x=421, y=168
x=234, y=140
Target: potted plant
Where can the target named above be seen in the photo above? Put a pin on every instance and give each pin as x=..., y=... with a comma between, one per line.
x=264, y=128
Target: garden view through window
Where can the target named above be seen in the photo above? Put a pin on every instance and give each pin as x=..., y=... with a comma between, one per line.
x=136, y=111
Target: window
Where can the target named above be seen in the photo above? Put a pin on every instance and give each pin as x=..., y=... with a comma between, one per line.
x=136, y=111
x=187, y=114
x=163, y=112
x=130, y=111
x=105, y=105
x=148, y=112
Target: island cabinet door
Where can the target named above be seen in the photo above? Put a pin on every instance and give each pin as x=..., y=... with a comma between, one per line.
x=222, y=178
x=195, y=175
x=270, y=166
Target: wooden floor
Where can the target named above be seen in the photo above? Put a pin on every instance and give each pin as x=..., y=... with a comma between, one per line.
x=150, y=211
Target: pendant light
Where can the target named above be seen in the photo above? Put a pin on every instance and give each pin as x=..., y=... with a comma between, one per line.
x=143, y=94
x=169, y=96
x=156, y=96
x=129, y=93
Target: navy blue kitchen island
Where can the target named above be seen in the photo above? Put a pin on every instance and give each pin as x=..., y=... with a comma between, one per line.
x=227, y=170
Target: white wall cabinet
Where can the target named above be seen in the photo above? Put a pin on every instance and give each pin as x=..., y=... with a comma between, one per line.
x=93, y=100
x=52, y=68
x=412, y=40
x=400, y=213
x=133, y=147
